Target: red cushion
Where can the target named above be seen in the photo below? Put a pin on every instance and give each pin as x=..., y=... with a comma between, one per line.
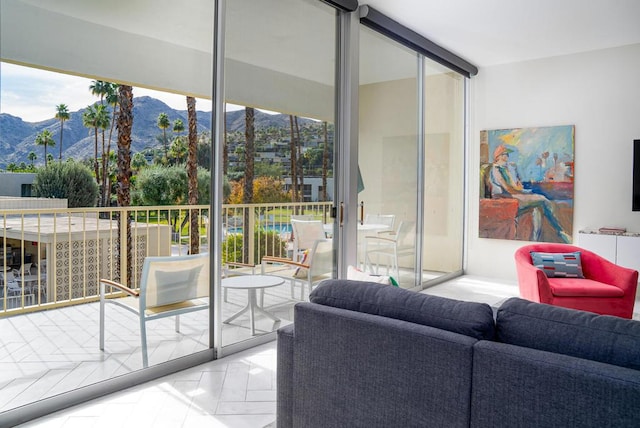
x=568, y=287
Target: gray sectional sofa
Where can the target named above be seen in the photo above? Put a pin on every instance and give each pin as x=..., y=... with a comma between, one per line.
x=369, y=355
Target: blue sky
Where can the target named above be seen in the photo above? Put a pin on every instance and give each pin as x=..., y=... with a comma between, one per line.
x=32, y=94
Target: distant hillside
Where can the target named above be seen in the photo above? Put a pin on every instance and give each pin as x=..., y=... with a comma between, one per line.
x=17, y=138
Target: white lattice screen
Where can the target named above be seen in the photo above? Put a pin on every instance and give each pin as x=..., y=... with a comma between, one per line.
x=79, y=268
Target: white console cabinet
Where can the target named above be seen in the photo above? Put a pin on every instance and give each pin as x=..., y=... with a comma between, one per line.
x=621, y=249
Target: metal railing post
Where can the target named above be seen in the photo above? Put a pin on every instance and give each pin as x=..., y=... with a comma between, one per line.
x=122, y=218
x=250, y=228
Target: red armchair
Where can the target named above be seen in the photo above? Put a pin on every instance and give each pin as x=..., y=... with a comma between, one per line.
x=606, y=289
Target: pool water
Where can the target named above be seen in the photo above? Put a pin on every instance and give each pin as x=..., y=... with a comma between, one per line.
x=281, y=228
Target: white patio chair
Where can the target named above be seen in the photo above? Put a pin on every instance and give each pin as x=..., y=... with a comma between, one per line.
x=305, y=234
x=314, y=268
x=382, y=219
x=170, y=286
x=14, y=291
x=391, y=246
x=25, y=269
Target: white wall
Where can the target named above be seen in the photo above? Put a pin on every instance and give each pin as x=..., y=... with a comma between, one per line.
x=599, y=93
x=11, y=182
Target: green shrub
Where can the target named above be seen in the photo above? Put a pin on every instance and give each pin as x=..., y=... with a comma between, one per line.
x=69, y=180
x=267, y=243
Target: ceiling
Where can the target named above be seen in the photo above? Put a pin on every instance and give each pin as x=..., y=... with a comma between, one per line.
x=491, y=32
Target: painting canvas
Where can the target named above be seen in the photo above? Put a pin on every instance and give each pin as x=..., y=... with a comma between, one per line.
x=526, y=183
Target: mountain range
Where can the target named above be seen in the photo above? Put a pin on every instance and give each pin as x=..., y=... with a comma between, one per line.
x=17, y=137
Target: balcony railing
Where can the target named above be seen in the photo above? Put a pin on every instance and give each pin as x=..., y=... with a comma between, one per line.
x=55, y=257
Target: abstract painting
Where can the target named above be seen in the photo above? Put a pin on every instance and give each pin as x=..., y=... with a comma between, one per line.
x=526, y=183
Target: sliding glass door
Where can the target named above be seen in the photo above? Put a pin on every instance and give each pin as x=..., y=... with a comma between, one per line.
x=411, y=161
x=277, y=159
x=443, y=164
x=388, y=157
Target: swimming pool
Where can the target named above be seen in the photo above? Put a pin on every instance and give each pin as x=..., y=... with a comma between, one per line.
x=281, y=228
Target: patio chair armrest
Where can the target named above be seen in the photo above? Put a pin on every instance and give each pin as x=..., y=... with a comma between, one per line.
x=271, y=259
x=379, y=238
x=387, y=232
x=237, y=268
x=240, y=265
x=120, y=287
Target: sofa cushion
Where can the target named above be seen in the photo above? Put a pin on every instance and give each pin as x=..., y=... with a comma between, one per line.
x=602, y=338
x=570, y=287
x=558, y=265
x=468, y=318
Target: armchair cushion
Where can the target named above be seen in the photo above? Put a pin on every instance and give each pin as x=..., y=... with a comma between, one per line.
x=571, y=287
x=558, y=265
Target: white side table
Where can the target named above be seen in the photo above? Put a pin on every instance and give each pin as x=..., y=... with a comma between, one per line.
x=251, y=283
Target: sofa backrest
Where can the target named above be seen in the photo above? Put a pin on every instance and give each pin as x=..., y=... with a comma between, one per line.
x=602, y=338
x=468, y=318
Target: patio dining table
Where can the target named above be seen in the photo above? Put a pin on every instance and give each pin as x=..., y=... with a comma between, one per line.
x=251, y=283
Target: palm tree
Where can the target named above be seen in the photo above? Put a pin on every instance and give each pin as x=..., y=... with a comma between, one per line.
x=249, y=156
x=225, y=146
x=62, y=114
x=111, y=98
x=107, y=91
x=164, y=123
x=325, y=161
x=125, y=123
x=299, y=160
x=178, y=126
x=178, y=151
x=32, y=157
x=45, y=138
x=100, y=88
x=294, y=161
x=192, y=173
x=96, y=117
x=138, y=161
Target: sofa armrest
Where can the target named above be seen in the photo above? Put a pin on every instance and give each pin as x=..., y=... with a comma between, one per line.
x=344, y=379
x=285, y=376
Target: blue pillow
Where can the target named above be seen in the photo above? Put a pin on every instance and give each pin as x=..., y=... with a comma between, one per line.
x=558, y=265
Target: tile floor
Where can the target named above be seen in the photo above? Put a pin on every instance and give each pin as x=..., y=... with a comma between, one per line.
x=237, y=391
x=46, y=353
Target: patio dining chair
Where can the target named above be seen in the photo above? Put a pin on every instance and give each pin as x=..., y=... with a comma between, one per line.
x=169, y=286
x=13, y=290
x=305, y=234
x=25, y=269
x=390, y=246
x=316, y=266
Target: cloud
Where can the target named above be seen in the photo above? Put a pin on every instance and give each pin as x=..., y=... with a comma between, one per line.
x=32, y=94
